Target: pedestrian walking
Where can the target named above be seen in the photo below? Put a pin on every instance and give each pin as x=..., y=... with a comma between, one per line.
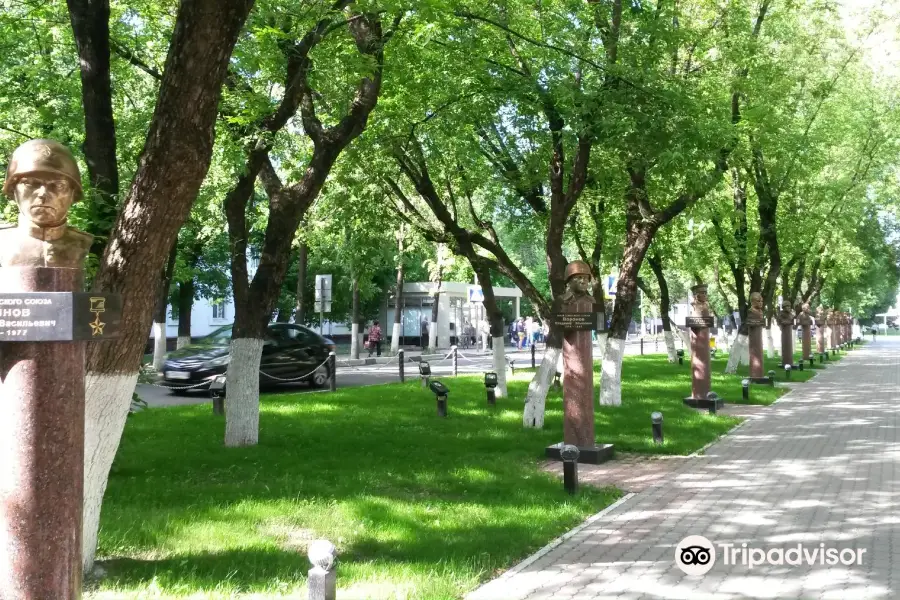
x=374, y=340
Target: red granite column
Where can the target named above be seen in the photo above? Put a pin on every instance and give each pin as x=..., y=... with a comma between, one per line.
x=787, y=344
x=699, y=362
x=756, y=352
x=807, y=342
x=578, y=390
x=42, y=453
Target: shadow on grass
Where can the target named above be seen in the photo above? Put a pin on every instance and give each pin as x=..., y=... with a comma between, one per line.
x=409, y=498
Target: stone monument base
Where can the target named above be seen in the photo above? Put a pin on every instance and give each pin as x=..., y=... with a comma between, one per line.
x=762, y=381
x=593, y=455
x=703, y=403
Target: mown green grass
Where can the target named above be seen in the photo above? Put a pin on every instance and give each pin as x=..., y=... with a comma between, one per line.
x=419, y=507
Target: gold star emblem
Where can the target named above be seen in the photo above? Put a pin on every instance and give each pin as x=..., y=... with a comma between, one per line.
x=97, y=326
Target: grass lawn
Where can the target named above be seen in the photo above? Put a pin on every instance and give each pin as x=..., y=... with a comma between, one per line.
x=419, y=507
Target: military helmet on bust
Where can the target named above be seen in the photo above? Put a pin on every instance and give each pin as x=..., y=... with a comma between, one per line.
x=577, y=267
x=42, y=156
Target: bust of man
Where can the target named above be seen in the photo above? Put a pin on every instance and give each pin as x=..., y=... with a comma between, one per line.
x=44, y=180
x=756, y=307
x=578, y=282
x=785, y=315
x=820, y=316
x=700, y=305
x=804, y=318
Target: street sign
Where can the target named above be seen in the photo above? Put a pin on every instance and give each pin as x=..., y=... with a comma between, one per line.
x=476, y=294
x=319, y=308
x=611, y=282
x=323, y=288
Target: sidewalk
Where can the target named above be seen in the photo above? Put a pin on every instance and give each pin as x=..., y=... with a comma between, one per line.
x=820, y=467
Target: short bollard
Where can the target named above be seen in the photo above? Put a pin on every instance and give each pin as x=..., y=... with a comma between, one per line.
x=455, y=352
x=322, y=581
x=490, y=383
x=440, y=392
x=569, y=455
x=745, y=389
x=787, y=372
x=533, y=364
x=424, y=372
x=713, y=399
x=512, y=367
x=801, y=365
x=332, y=364
x=680, y=355
x=812, y=362
x=656, y=420
x=771, y=375
x=217, y=391
x=400, y=358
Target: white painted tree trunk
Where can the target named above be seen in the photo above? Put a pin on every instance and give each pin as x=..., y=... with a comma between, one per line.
x=685, y=340
x=159, y=345
x=602, y=342
x=395, y=339
x=242, y=393
x=107, y=402
x=432, y=337
x=670, y=346
x=484, y=342
x=183, y=340
x=739, y=354
x=611, y=373
x=771, y=351
x=536, y=399
x=354, y=340
x=499, y=355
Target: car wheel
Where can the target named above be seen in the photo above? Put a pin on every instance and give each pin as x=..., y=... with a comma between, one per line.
x=319, y=377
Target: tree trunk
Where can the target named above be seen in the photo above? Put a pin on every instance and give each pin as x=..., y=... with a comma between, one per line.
x=90, y=28
x=636, y=244
x=185, y=307
x=536, y=398
x=284, y=313
x=495, y=318
x=738, y=354
x=355, y=329
x=172, y=166
x=433, y=326
x=398, y=308
x=665, y=304
x=160, y=314
x=242, y=399
x=303, y=260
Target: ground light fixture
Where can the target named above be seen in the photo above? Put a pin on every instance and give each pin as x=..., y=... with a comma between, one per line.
x=425, y=372
x=512, y=367
x=440, y=392
x=490, y=383
x=787, y=372
x=217, y=393
x=771, y=375
x=713, y=399
x=745, y=389
x=680, y=355
x=569, y=455
x=656, y=420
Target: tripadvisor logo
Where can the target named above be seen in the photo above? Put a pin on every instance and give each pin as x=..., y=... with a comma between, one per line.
x=696, y=555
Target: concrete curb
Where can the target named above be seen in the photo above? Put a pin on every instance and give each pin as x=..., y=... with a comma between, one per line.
x=473, y=595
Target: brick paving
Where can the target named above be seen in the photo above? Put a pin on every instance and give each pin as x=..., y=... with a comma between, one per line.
x=818, y=467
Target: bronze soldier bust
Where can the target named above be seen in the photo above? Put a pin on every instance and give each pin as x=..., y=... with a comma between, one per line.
x=820, y=316
x=755, y=314
x=700, y=305
x=804, y=318
x=786, y=315
x=44, y=180
x=578, y=282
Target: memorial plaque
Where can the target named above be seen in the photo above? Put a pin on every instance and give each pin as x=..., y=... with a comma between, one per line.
x=576, y=321
x=59, y=316
x=699, y=321
x=751, y=322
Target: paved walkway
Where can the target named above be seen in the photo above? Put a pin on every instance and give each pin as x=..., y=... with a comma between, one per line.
x=819, y=468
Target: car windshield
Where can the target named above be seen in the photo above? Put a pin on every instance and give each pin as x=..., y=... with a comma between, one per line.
x=220, y=336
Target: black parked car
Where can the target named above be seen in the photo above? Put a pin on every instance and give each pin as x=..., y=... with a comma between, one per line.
x=289, y=351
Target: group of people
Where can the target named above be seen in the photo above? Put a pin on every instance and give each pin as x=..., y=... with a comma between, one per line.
x=527, y=331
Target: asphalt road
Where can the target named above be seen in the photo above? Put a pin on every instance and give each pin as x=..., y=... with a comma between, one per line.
x=470, y=361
